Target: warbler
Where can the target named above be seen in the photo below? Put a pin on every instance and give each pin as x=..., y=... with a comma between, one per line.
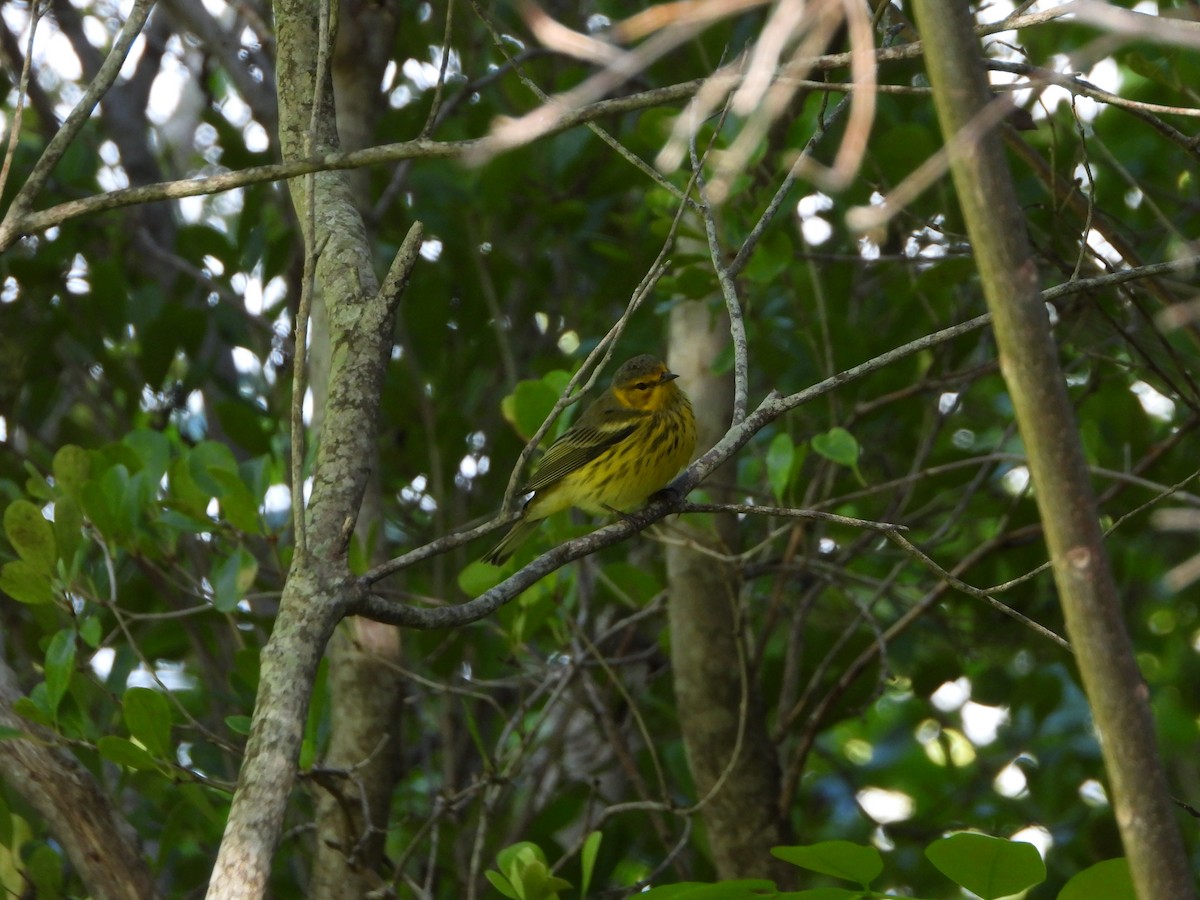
x=631, y=441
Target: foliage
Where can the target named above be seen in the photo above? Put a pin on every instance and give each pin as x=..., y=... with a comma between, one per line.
x=144, y=417
x=991, y=868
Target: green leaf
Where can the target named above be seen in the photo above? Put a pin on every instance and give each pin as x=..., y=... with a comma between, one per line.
x=502, y=884
x=233, y=577
x=238, y=724
x=838, y=445
x=587, y=861
x=524, y=866
x=909, y=144
x=68, y=528
x=36, y=486
x=528, y=405
x=185, y=494
x=72, y=468
x=45, y=869
x=205, y=460
x=29, y=707
x=991, y=867
x=476, y=577
x=31, y=535
x=512, y=854
x=1109, y=879
x=694, y=282
x=238, y=505
x=89, y=631
x=23, y=582
x=841, y=859
x=125, y=753
x=8, y=734
x=781, y=453
x=103, y=501
x=152, y=448
x=245, y=425
x=148, y=718
x=60, y=666
x=774, y=256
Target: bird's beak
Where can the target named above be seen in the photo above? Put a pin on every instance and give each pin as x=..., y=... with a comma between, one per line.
x=667, y=376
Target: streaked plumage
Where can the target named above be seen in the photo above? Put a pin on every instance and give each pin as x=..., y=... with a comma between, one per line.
x=631, y=441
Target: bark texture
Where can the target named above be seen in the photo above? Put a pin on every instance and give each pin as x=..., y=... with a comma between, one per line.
x=732, y=759
x=361, y=320
x=362, y=760
x=100, y=844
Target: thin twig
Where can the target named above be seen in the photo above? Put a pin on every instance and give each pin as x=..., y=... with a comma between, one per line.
x=372, y=606
x=733, y=303
x=784, y=512
x=78, y=117
x=14, y=133
x=435, y=104
x=911, y=549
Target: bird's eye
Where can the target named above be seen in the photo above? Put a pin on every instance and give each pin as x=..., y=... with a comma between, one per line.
x=642, y=386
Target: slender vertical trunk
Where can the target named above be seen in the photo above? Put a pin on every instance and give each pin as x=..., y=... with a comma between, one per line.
x=1062, y=488
x=733, y=762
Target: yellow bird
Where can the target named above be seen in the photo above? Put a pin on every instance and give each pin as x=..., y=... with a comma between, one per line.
x=631, y=441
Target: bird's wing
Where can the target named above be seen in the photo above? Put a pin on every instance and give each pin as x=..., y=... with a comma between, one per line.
x=577, y=447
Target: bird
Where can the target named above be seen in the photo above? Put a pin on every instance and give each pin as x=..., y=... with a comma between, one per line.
x=629, y=443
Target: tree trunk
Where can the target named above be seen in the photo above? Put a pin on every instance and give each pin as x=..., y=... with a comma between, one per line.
x=733, y=762
x=1062, y=487
x=362, y=761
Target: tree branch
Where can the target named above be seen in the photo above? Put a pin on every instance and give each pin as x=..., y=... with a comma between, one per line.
x=78, y=117
x=100, y=844
x=365, y=603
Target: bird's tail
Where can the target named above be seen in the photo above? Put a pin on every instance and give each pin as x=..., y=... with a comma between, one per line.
x=499, y=554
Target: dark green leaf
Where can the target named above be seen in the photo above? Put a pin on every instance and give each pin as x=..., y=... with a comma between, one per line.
x=45, y=869
x=238, y=506
x=841, y=859
x=781, y=453
x=233, y=577
x=68, y=528
x=528, y=405
x=153, y=449
x=125, y=753
x=148, y=718
x=31, y=535
x=476, y=577
x=90, y=631
x=837, y=445
x=60, y=666
x=205, y=460
x=1109, y=879
x=501, y=884
x=72, y=468
x=587, y=861
x=23, y=582
x=105, y=503
x=989, y=866
x=33, y=707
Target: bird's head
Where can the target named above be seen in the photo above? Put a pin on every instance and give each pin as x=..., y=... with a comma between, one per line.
x=644, y=383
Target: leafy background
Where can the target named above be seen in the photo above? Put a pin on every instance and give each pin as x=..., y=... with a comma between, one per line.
x=144, y=394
